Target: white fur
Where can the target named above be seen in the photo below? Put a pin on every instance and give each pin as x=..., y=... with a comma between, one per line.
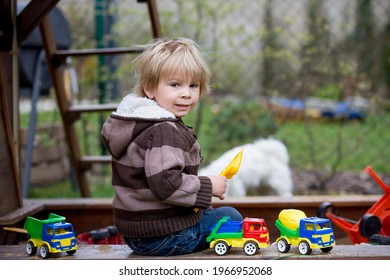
x=141, y=107
x=264, y=169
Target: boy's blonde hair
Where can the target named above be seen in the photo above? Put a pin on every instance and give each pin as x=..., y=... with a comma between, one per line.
x=163, y=58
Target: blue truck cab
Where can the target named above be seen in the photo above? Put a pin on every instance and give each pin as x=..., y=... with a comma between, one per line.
x=53, y=235
x=318, y=230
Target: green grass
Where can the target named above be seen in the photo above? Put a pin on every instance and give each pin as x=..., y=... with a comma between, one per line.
x=357, y=143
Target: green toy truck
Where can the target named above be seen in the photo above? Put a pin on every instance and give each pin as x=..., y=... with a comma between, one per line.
x=306, y=233
x=53, y=235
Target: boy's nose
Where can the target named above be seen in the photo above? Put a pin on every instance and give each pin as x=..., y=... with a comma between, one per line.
x=186, y=92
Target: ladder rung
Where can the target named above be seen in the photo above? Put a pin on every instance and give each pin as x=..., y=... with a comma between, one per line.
x=63, y=54
x=92, y=108
x=86, y=162
x=95, y=159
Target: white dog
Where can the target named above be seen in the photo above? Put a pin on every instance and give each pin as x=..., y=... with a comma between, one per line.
x=264, y=169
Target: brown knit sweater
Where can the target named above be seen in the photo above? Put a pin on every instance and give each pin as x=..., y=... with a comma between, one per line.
x=155, y=159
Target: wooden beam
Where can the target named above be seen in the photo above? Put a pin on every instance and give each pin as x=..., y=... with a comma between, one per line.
x=6, y=26
x=155, y=22
x=10, y=192
x=362, y=252
x=63, y=103
x=30, y=17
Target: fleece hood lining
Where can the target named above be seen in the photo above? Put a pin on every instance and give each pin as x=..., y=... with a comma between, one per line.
x=134, y=106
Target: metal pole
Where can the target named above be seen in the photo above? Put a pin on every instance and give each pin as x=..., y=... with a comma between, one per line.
x=33, y=120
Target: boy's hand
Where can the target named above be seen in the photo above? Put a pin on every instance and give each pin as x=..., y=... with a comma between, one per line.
x=218, y=185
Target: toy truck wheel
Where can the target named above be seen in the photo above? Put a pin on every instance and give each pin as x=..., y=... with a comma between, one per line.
x=71, y=252
x=250, y=248
x=44, y=252
x=221, y=248
x=369, y=225
x=304, y=248
x=283, y=245
x=30, y=248
x=326, y=249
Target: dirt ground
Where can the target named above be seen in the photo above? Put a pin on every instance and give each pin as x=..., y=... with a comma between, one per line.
x=307, y=183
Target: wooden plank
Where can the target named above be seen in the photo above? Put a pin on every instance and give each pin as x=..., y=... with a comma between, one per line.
x=49, y=132
x=10, y=186
x=10, y=190
x=30, y=17
x=15, y=229
x=123, y=252
x=95, y=159
x=93, y=108
x=49, y=44
x=154, y=20
x=6, y=26
x=86, y=162
x=14, y=217
x=49, y=155
x=61, y=55
x=46, y=154
x=48, y=173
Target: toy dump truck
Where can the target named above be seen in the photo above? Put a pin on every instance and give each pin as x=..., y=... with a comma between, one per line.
x=306, y=233
x=251, y=234
x=53, y=235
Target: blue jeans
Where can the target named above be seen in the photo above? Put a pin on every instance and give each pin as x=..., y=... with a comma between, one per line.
x=186, y=241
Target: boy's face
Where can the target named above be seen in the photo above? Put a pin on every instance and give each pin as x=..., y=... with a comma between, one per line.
x=177, y=94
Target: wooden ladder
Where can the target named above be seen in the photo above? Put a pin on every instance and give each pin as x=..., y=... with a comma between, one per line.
x=71, y=113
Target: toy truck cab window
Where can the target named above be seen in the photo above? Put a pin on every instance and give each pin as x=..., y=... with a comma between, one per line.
x=325, y=225
x=255, y=227
x=309, y=227
x=59, y=231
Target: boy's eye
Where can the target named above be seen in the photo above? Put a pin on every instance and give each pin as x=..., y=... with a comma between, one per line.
x=175, y=85
x=194, y=85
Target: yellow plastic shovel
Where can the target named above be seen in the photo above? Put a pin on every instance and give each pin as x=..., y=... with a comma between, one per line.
x=233, y=166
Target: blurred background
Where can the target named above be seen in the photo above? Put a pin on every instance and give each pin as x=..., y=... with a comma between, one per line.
x=312, y=74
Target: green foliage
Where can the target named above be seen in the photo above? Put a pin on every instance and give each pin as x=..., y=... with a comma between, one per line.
x=386, y=55
x=232, y=122
x=360, y=144
x=364, y=35
x=330, y=91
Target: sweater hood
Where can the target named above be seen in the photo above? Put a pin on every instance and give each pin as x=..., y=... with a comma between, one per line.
x=133, y=115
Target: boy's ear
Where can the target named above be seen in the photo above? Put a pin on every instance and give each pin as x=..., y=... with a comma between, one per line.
x=149, y=93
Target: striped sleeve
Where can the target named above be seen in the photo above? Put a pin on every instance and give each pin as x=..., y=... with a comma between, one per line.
x=169, y=157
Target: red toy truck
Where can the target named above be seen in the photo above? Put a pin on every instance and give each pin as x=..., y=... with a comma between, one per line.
x=251, y=234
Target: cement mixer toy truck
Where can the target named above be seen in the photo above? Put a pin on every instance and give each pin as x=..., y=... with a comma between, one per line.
x=53, y=235
x=306, y=233
x=251, y=234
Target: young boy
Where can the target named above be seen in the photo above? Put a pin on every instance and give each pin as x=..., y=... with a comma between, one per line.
x=161, y=206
